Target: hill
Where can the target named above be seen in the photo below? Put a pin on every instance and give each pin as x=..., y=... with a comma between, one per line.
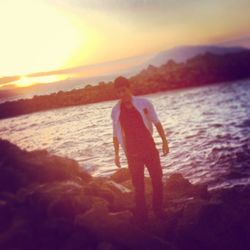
x=183, y=53
x=200, y=70
x=106, y=71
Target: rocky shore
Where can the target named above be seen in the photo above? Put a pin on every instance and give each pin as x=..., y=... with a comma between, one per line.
x=48, y=202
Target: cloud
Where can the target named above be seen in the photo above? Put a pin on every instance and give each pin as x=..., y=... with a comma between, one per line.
x=7, y=79
x=121, y=5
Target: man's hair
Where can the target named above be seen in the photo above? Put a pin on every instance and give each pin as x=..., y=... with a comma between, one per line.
x=121, y=82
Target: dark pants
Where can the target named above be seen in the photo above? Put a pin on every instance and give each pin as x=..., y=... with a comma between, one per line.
x=136, y=164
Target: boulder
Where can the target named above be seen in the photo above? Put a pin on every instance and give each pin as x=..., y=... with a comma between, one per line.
x=57, y=200
x=117, y=195
x=116, y=228
x=121, y=175
x=49, y=202
x=19, y=168
x=53, y=233
x=104, y=245
x=212, y=225
x=5, y=215
x=17, y=236
x=176, y=186
x=147, y=182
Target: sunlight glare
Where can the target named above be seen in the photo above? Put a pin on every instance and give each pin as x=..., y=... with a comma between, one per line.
x=35, y=37
x=26, y=81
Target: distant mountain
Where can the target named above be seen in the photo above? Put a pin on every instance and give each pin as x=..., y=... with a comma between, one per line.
x=127, y=67
x=240, y=41
x=95, y=73
x=183, y=53
x=208, y=68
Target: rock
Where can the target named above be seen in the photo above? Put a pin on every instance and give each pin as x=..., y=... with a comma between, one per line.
x=229, y=194
x=118, y=188
x=44, y=207
x=80, y=239
x=118, y=196
x=5, y=215
x=17, y=236
x=97, y=188
x=128, y=184
x=54, y=232
x=200, y=191
x=19, y=168
x=67, y=206
x=93, y=216
x=212, y=225
x=9, y=197
x=57, y=200
x=192, y=230
x=177, y=186
x=147, y=181
x=116, y=228
x=107, y=246
x=121, y=175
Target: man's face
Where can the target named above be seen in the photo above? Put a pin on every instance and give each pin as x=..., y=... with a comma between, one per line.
x=123, y=93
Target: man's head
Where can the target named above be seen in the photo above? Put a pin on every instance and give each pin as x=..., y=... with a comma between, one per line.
x=122, y=88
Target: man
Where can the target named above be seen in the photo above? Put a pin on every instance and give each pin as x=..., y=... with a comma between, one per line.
x=132, y=119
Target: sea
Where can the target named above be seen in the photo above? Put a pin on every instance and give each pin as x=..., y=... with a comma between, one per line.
x=208, y=130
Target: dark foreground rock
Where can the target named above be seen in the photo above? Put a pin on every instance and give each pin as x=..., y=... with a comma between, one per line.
x=48, y=202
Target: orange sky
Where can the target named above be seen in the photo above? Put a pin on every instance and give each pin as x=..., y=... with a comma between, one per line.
x=44, y=35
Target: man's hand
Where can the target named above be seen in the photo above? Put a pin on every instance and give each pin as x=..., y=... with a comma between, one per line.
x=165, y=148
x=161, y=132
x=117, y=161
x=116, y=147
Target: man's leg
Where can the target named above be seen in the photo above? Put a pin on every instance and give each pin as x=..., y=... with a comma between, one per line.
x=136, y=168
x=153, y=165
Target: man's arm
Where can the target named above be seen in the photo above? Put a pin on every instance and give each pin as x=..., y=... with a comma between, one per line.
x=115, y=142
x=116, y=145
x=154, y=118
x=162, y=134
x=116, y=148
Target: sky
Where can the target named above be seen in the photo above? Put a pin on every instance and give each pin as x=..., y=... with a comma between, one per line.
x=49, y=35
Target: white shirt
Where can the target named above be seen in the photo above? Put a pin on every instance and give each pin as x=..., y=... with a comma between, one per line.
x=146, y=109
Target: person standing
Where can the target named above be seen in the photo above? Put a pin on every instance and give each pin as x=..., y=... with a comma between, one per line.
x=133, y=118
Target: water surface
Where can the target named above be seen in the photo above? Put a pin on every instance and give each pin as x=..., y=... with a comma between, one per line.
x=208, y=129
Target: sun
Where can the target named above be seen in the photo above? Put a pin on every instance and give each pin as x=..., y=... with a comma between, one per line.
x=23, y=82
x=26, y=81
x=35, y=37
